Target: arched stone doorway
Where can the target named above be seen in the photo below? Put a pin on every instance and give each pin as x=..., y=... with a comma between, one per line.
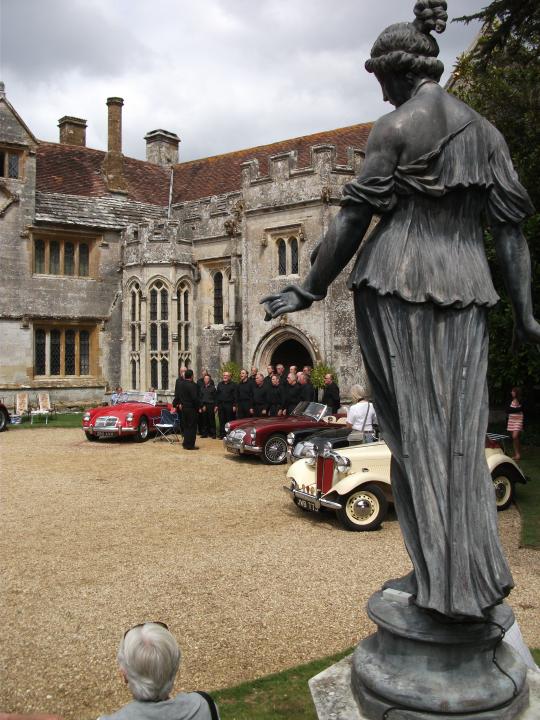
x=291, y=352
x=288, y=345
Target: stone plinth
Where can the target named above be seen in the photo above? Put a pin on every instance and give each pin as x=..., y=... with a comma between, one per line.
x=421, y=666
x=332, y=695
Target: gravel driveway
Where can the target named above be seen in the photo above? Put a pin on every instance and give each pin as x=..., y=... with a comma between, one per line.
x=97, y=537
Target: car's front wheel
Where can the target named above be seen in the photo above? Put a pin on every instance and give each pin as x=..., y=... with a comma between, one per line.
x=142, y=431
x=504, y=488
x=364, y=508
x=3, y=420
x=275, y=450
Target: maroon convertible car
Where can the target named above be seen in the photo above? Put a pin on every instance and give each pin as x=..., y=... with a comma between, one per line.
x=267, y=436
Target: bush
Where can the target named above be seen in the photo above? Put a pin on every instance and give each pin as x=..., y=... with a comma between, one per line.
x=318, y=373
x=232, y=367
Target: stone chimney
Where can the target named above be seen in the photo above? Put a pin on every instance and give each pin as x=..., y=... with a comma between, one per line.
x=113, y=165
x=162, y=147
x=72, y=131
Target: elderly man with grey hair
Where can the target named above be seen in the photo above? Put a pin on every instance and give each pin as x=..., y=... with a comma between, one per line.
x=149, y=658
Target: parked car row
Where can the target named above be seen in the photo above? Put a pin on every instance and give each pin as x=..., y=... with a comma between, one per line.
x=333, y=469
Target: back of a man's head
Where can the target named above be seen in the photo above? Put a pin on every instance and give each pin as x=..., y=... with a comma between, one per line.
x=149, y=657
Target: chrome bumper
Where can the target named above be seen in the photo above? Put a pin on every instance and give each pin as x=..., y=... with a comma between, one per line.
x=314, y=500
x=109, y=430
x=236, y=446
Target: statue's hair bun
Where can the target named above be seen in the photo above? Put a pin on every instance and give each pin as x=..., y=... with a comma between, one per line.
x=430, y=15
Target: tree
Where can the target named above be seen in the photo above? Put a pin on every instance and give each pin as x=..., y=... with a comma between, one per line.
x=500, y=78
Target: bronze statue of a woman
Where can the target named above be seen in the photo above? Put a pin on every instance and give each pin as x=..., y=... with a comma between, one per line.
x=434, y=170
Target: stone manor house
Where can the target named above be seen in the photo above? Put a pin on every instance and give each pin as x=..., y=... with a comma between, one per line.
x=117, y=271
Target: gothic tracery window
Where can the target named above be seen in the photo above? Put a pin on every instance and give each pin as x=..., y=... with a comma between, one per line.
x=293, y=243
x=184, y=323
x=159, y=351
x=135, y=300
x=282, y=257
x=218, y=298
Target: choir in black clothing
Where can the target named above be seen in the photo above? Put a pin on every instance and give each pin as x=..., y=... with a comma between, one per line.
x=255, y=395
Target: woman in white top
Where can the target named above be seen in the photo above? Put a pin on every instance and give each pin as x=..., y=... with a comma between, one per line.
x=361, y=414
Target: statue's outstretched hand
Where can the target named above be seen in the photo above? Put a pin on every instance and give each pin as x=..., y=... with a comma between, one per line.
x=290, y=299
x=529, y=333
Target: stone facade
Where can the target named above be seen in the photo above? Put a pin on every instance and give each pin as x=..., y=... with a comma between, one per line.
x=117, y=271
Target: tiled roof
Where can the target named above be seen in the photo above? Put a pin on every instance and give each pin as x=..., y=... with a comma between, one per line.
x=222, y=173
x=73, y=170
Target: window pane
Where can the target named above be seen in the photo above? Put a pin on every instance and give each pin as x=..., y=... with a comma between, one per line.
x=13, y=165
x=70, y=352
x=55, y=352
x=153, y=338
x=133, y=337
x=39, y=256
x=2, y=163
x=186, y=306
x=133, y=305
x=294, y=255
x=154, y=373
x=164, y=336
x=186, y=337
x=282, y=258
x=84, y=254
x=54, y=257
x=164, y=305
x=218, y=298
x=39, y=359
x=153, y=304
x=69, y=258
x=164, y=375
x=134, y=383
x=84, y=352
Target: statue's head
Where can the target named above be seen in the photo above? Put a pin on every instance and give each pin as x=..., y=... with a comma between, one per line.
x=408, y=50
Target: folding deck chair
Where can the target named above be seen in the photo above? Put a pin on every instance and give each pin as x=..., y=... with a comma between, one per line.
x=168, y=428
x=44, y=410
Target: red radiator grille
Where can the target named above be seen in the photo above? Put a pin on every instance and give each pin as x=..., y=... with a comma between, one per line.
x=325, y=474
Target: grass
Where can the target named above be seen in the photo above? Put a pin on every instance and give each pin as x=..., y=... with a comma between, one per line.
x=275, y=697
x=528, y=498
x=59, y=420
x=283, y=695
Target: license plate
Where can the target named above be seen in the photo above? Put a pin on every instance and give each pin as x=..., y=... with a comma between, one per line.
x=234, y=450
x=102, y=434
x=306, y=504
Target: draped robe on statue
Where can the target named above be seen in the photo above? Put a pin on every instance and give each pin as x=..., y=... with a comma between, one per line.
x=422, y=289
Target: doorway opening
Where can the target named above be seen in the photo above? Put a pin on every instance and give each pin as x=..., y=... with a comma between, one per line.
x=291, y=352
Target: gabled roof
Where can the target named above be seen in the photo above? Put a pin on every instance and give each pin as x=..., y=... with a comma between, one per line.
x=223, y=173
x=3, y=99
x=74, y=170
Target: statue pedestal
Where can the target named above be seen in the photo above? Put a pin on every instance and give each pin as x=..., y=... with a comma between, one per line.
x=419, y=667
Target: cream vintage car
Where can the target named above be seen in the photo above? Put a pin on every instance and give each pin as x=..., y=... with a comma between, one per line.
x=354, y=481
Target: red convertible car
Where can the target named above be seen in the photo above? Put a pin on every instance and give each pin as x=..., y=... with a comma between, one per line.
x=135, y=415
x=267, y=436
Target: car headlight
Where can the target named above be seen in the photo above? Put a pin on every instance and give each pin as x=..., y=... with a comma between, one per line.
x=86, y=417
x=290, y=438
x=227, y=427
x=129, y=417
x=342, y=463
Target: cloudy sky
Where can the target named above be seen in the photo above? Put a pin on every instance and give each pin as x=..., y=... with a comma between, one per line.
x=223, y=74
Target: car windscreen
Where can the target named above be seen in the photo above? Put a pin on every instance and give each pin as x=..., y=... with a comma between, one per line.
x=145, y=397
x=309, y=409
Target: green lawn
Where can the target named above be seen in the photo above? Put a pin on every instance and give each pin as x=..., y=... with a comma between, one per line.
x=58, y=420
x=283, y=695
x=528, y=497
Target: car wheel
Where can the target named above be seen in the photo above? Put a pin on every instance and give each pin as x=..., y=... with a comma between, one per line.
x=275, y=450
x=364, y=508
x=504, y=488
x=3, y=420
x=91, y=438
x=142, y=431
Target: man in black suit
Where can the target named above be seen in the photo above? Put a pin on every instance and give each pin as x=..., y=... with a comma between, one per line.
x=330, y=394
x=226, y=401
x=188, y=399
x=307, y=391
